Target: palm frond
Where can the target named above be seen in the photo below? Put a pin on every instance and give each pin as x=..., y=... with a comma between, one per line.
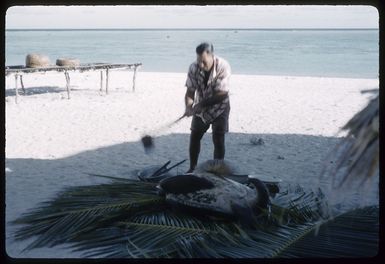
x=352, y=234
x=80, y=209
x=184, y=240
x=296, y=205
x=130, y=220
x=110, y=177
x=161, y=240
x=358, y=153
x=110, y=227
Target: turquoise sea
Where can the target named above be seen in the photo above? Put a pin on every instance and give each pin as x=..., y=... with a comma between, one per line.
x=331, y=53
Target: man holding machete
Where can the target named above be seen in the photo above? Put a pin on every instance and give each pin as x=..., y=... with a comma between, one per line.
x=207, y=100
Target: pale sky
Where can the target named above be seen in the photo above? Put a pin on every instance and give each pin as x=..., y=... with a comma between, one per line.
x=321, y=16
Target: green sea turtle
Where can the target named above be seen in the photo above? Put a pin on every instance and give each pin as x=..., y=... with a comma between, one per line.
x=212, y=193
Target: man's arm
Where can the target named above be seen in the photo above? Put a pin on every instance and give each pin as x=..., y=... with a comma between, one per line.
x=191, y=85
x=189, y=98
x=189, y=101
x=218, y=97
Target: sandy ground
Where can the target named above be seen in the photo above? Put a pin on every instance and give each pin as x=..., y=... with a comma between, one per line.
x=51, y=142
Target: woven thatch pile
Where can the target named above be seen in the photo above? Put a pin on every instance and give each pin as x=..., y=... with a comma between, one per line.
x=35, y=60
x=67, y=62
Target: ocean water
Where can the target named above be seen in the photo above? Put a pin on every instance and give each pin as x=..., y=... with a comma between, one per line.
x=327, y=53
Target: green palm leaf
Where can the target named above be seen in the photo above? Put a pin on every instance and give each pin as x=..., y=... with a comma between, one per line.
x=358, y=152
x=128, y=219
x=352, y=234
x=81, y=209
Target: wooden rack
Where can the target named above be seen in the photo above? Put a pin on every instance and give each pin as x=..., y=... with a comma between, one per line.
x=18, y=71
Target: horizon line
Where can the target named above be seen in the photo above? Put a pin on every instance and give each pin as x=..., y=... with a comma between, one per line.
x=202, y=29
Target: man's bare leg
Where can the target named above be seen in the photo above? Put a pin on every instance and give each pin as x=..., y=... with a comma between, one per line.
x=219, y=145
x=195, y=147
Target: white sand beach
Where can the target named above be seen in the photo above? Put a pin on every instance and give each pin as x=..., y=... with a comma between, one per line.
x=52, y=142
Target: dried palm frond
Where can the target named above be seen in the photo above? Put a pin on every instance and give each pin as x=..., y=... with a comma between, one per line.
x=351, y=234
x=358, y=153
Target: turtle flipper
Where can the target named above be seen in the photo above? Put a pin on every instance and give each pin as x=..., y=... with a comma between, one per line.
x=273, y=188
x=263, y=194
x=244, y=214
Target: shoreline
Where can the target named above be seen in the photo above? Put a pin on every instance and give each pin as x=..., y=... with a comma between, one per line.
x=271, y=75
x=180, y=29
x=140, y=70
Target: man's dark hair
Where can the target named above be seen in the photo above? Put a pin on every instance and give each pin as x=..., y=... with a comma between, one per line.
x=205, y=46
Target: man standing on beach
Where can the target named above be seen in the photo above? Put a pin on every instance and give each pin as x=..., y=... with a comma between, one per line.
x=207, y=100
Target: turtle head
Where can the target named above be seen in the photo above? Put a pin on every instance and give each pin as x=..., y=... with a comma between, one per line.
x=263, y=194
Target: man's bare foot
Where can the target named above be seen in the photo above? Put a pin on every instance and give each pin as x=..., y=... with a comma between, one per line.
x=190, y=170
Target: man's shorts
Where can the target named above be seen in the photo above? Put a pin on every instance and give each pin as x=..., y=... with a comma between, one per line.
x=219, y=125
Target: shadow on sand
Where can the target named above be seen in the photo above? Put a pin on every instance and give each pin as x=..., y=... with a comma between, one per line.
x=293, y=158
x=35, y=90
x=290, y=157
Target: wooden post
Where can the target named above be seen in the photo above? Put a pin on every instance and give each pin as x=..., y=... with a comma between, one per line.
x=16, y=88
x=69, y=80
x=67, y=83
x=107, y=81
x=133, y=79
x=101, y=80
x=22, y=83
